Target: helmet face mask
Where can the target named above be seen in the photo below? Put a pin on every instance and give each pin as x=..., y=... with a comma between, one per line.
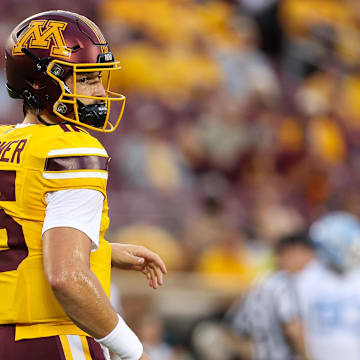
x=48, y=49
x=70, y=105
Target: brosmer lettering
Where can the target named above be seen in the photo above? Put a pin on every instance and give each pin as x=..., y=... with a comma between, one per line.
x=10, y=152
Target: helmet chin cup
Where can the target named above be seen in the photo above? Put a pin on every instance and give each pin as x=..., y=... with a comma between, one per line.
x=93, y=115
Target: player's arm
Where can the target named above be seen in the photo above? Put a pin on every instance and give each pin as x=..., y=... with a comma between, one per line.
x=70, y=232
x=294, y=333
x=66, y=254
x=67, y=266
x=139, y=258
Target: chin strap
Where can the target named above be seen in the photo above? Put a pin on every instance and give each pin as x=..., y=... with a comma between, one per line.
x=41, y=119
x=94, y=114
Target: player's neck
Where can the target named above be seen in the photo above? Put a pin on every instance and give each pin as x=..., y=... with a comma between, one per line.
x=31, y=118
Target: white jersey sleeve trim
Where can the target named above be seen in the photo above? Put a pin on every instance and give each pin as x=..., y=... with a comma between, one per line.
x=78, y=151
x=77, y=208
x=75, y=175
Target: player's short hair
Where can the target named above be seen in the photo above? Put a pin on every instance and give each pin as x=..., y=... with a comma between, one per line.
x=300, y=238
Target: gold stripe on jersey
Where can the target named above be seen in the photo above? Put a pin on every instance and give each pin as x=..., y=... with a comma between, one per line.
x=85, y=346
x=66, y=347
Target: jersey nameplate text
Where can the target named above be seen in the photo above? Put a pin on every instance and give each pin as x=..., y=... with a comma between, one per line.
x=10, y=151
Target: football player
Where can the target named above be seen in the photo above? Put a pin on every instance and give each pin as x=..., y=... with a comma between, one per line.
x=329, y=294
x=54, y=261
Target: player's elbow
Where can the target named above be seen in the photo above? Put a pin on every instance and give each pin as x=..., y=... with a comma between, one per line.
x=57, y=280
x=63, y=281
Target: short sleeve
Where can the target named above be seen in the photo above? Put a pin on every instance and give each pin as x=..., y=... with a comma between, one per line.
x=77, y=208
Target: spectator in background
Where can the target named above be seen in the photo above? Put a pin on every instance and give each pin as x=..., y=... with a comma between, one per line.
x=167, y=54
x=222, y=136
x=266, y=324
x=151, y=332
x=247, y=72
x=273, y=218
x=319, y=31
x=203, y=228
x=147, y=158
x=229, y=262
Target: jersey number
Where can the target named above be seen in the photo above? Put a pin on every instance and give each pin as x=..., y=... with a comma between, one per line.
x=11, y=258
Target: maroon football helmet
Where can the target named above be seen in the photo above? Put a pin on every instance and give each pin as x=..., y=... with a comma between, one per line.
x=47, y=48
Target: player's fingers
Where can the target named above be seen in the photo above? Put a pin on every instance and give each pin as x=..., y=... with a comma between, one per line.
x=150, y=256
x=158, y=273
x=153, y=277
x=148, y=275
x=146, y=272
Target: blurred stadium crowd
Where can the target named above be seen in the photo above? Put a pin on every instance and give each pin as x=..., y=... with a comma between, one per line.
x=241, y=126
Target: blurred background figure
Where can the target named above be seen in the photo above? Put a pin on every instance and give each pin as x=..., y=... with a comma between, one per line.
x=329, y=297
x=298, y=259
x=229, y=262
x=242, y=126
x=266, y=324
x=151, y=331
x=146, y=158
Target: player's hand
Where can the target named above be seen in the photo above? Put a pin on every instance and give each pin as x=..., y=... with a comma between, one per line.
x=139, y=258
